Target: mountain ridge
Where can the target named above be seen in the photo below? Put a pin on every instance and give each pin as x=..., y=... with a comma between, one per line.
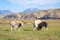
x=6, y=12
x=42, y=14
x=31, y=10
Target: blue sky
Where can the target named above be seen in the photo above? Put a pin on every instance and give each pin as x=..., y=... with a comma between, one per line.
x=20, y=5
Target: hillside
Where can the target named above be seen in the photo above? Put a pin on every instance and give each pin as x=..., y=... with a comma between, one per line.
x=43, y=14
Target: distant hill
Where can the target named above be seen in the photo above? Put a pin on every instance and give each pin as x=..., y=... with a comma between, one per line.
x=31, y=10
x=6, y=12
x=42, y=14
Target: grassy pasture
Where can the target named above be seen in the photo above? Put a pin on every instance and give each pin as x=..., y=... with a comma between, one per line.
x=27, y=32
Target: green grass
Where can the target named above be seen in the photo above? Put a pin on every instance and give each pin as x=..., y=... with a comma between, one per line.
x=27, y=32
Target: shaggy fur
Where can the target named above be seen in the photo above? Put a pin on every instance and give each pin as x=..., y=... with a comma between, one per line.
x=16, y=24
x=42, y=24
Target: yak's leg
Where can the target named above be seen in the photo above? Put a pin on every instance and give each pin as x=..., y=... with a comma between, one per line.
x=19, y=29
x=34, y=26
x=11, y=28
x=15, y=26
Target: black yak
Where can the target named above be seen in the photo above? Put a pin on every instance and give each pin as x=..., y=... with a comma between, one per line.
x=42, y=24
x=38, y=24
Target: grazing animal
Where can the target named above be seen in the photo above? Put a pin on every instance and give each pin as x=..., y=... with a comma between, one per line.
x=38, y=24
x=16, y=24
x=42, y=24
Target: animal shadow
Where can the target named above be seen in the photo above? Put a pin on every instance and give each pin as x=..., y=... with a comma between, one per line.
x=27, y=30
x=6, y=30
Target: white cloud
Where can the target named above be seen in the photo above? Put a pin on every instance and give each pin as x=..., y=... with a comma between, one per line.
x=40, y=2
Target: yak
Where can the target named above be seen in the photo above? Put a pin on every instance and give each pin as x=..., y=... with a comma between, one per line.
x=16, y=24
x=38, y=24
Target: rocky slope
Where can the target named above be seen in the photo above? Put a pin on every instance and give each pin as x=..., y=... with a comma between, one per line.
x=43, y=14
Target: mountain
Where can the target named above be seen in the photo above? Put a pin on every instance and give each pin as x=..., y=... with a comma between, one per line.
x=31, y=10
x=42, y=14
x=6, y=12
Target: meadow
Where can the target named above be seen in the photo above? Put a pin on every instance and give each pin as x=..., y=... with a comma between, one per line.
x=27, y=33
